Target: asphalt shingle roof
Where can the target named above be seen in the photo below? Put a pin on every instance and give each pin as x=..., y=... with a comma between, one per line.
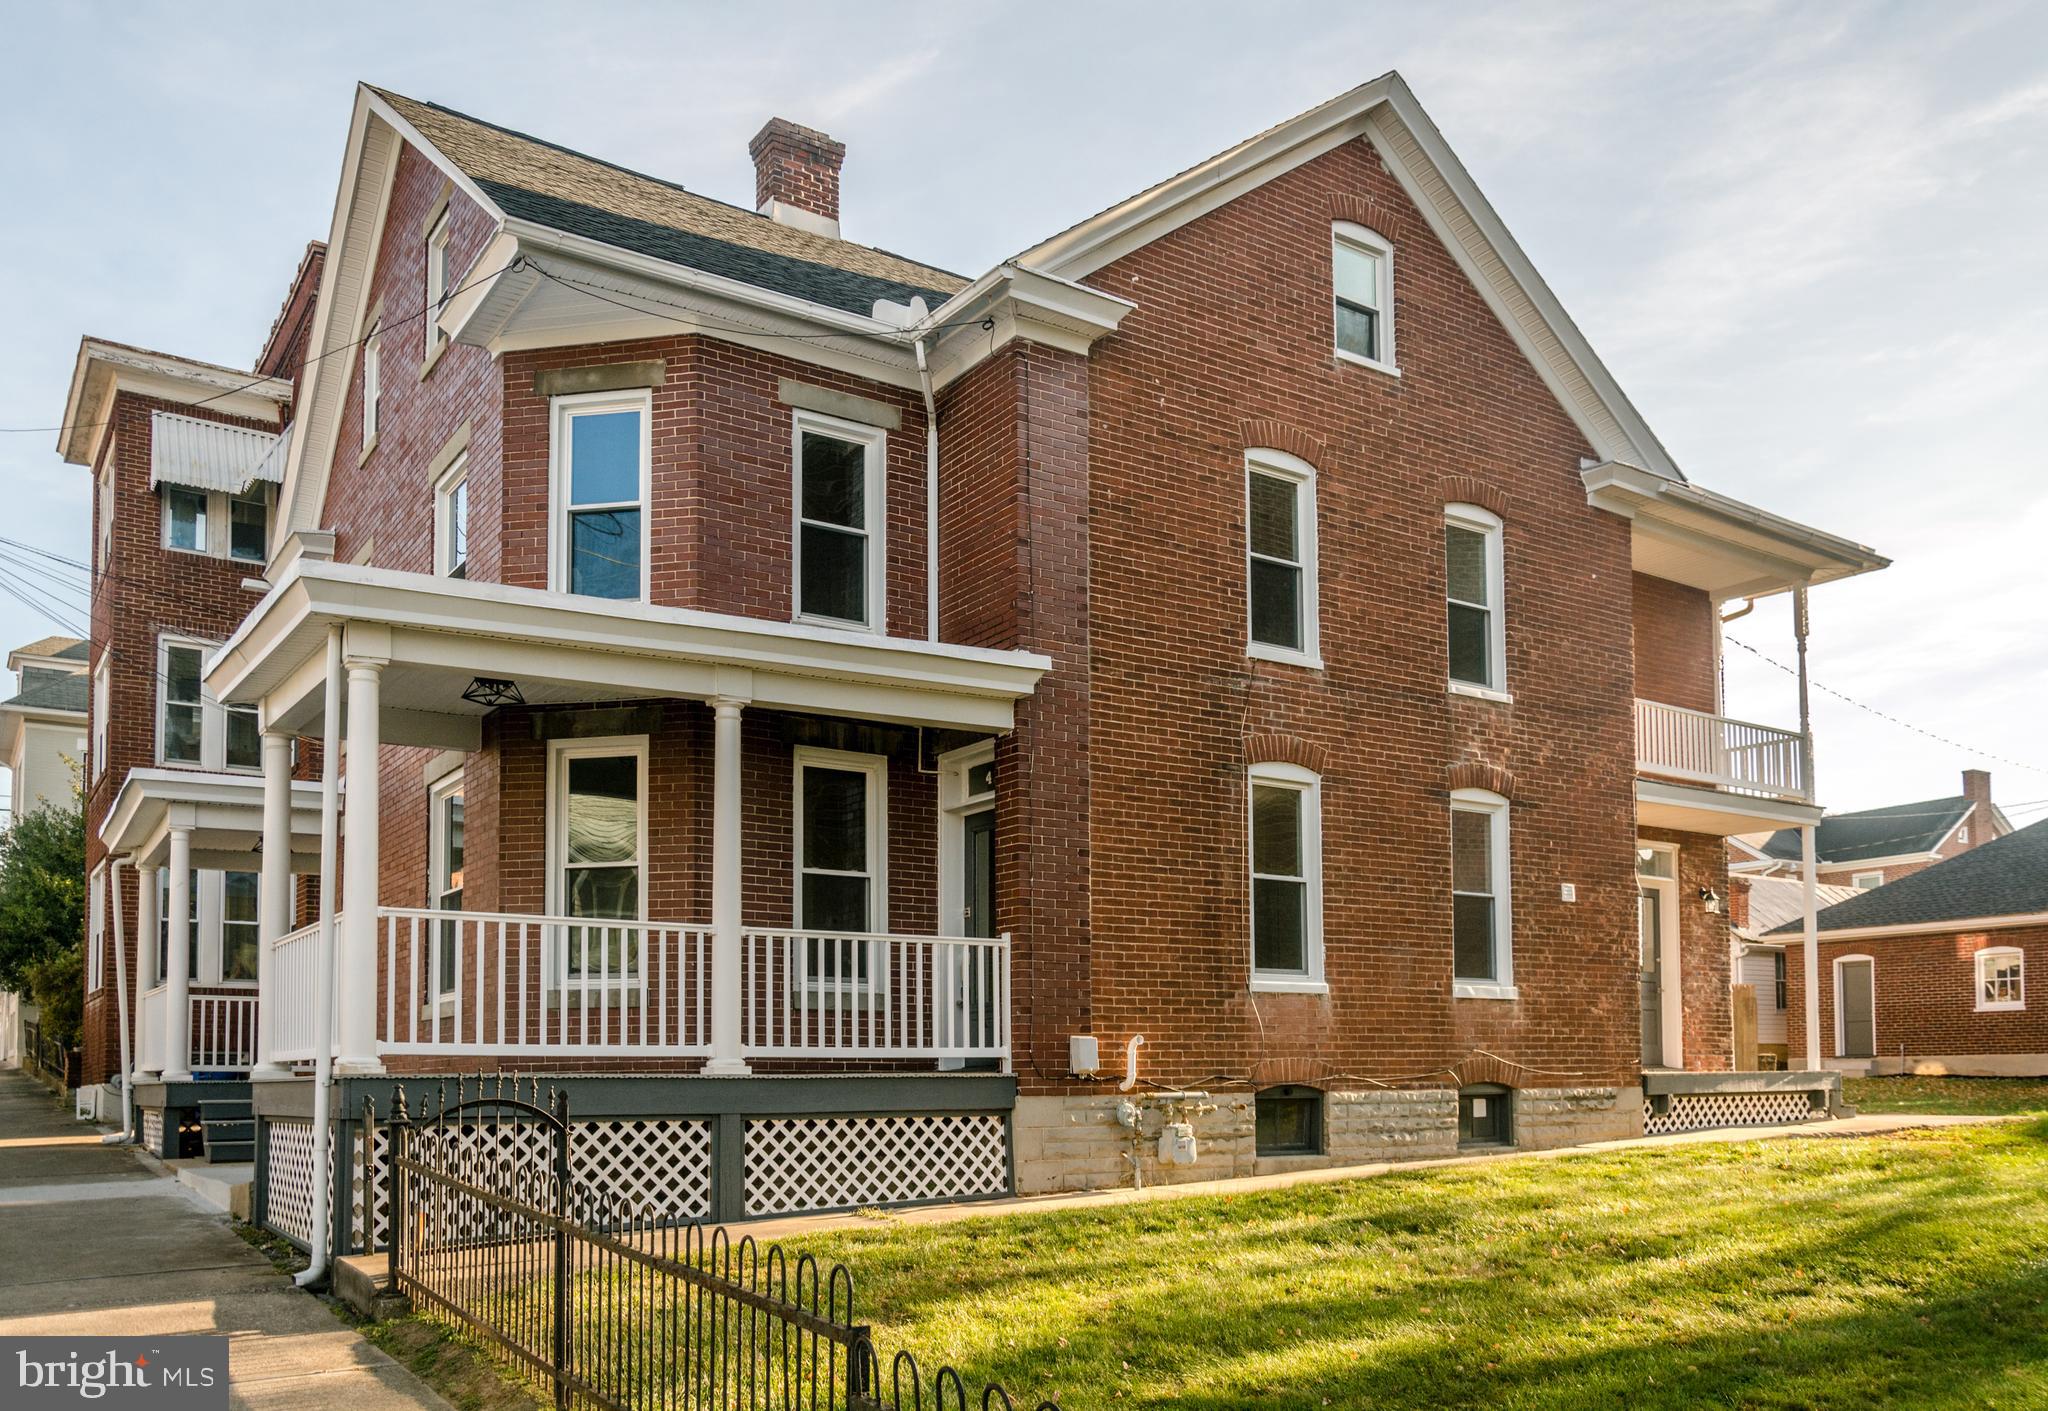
x=2007, y=876
x=71, y=692
x=56, y=648
x=567, y=190
x=1875, y=832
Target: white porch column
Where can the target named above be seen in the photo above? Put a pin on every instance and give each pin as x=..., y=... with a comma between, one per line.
x=178, y=996
x=149, y=1060
x=356, y=966
x=276, y=890
x=726, y=1059
x=1808, y=907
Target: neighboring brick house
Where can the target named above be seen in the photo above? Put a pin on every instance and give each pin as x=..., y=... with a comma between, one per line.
x=185, y=458
x=1757, y=905
x=1874, y=846
x=1929, y=974
x=1240, y=660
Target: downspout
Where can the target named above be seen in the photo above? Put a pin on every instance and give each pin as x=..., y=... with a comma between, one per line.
x=315, y=1271
x=931, y=499
x=127, y=1132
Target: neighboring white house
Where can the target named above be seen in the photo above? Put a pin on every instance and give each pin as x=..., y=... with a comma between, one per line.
x=1761, y=904
x=42, y=742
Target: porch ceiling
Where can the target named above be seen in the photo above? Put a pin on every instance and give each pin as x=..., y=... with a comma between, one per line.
x=224, y=812
x=1687, y=808
x=436, y=635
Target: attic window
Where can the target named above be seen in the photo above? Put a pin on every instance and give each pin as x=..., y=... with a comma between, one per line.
x=437, y=282
x=1362, y=278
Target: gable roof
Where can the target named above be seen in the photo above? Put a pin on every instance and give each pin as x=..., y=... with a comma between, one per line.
x=58, y=648
x=1894, y=831
x=69, y=693
x=530, y=179
x=2006, y=877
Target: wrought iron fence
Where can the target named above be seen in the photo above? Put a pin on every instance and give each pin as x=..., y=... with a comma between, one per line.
x=50, y=1058
x=613, y=1306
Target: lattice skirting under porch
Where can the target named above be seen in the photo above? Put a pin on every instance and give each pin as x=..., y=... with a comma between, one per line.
x=288, y=1179
x=837, y=1163
x=1698, y=1112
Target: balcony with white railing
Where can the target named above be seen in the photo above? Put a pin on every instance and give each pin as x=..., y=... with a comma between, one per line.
x=472, y=985
x=1737, y=756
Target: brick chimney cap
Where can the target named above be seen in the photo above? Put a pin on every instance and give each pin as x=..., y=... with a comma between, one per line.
x=797, y=135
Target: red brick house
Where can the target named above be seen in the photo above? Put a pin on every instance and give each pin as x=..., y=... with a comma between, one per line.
x=882, y=735
x=1870, y=847
x=1929, y=974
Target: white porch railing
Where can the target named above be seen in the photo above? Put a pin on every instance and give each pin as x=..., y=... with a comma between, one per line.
x=1699, y=748
x=294, y=982
x=151, y=1017
x=807, y=994
x=475, y=982
x=223, y=1032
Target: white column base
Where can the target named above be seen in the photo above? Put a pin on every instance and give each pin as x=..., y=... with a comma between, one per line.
x=175, y=1077
x=359, y=1068
x=726, y=1068
x=269, y=1073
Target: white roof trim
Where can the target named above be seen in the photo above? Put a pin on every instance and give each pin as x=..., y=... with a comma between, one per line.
x=1387, y=113
x=1927, y=928
x=102, y=368
x=209, y=455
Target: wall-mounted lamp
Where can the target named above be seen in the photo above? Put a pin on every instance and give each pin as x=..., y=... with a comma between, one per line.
x=490, y=692
x=1711, y=900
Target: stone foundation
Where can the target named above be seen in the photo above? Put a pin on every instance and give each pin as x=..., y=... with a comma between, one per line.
x=1077, y=1143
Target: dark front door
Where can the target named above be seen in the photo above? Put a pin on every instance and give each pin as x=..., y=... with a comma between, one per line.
x=978, y=872
x=1650, y=932
x=1859, y=1017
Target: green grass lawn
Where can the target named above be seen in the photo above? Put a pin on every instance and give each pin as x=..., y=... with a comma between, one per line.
x=1909, y=1270
x=1992, y=1096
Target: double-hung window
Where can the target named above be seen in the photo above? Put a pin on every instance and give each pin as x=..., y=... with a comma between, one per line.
x=1280, y=543
x=451, y=520
x=102, y=700
x=1777, y=979
x=1362, y=281
x=444, y=883
x=437, y=283
x=2001, y=978
x=96, y=931
x=839, y=551
x=1285, y=828
x=239, y=925
x=373, y=382
x=249, y=524
x=106, y=506
x=163, y=924
x=602, y=453
x=192, y=727
x=185, y=525
x=1481, y=942
x=599, y=843
x=841, y=882
x=1473, y=582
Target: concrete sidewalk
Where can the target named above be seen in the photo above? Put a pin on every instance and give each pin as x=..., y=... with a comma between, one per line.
x=92, y=1242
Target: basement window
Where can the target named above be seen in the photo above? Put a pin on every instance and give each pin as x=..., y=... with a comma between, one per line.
x=1486, y=1115
x=1288, y=1121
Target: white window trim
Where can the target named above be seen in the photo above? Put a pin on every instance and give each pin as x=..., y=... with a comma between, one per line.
x=874, y=442
x=561, y=411
x=106, y=493
x=1841, y=1029
x=560, y=752
x=1502, y=986
x=213, y=716
x=455, y=475
x=1671, y=995
x=956, y=805
x=1346, y=232
x=1281, y=466
x=1306, y=782
x=1856, y=880
x=436, y=243
x=1488, y=524
x=437, y=851
x=1977, y=967
x=220, y=527
x=209, y=935
x=102, y=701
x=96, y=930
x=876, y=767
x=373, y=385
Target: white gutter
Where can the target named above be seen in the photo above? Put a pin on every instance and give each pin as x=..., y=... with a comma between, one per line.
x=1931, y=928
x=931, y=498
x=315, y=1271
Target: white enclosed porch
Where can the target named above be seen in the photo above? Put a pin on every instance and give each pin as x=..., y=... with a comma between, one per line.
x=358, y=655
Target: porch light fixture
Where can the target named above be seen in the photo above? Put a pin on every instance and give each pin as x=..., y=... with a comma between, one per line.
x=490, y=692
x=1711, y=899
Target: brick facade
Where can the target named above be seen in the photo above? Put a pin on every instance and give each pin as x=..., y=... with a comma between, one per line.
x=1925, y=991
x=1677, y=654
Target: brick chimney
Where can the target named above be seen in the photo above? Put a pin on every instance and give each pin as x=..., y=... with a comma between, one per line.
x=1977, y=789
x=796, y=176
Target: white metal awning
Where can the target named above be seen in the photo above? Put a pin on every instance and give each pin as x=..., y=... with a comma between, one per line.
x=211, y=455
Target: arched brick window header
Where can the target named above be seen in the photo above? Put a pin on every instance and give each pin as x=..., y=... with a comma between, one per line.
x=1478, y=774
x=1485, y=1068
x=1279, y=1072
x=1283, y=436
x=1284, y=749
x=1466, y=490
x=1359, y=210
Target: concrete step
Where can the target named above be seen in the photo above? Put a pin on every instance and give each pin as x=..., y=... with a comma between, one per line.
x=225, y=1187
x=229, y=1153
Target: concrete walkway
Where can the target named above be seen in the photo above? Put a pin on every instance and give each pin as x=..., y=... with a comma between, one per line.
x=92, y=1242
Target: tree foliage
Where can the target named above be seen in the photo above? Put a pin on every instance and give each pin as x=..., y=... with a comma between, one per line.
x=42, y=891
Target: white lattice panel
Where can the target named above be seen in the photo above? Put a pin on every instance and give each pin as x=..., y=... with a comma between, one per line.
x=1697, y=1112
x=652, y=1166
x=153, y=1129
x=827, y=1163
x=288, y=1179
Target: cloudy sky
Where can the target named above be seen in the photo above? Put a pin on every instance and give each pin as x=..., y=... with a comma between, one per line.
x=1804, y=236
